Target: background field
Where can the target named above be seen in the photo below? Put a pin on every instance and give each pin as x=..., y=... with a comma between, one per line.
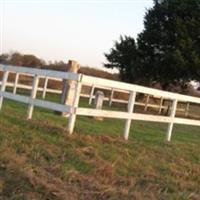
x=39, y=160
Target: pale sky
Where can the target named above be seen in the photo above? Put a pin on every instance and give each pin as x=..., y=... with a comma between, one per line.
x=69, y=29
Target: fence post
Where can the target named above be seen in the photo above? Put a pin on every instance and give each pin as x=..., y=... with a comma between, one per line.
x=172, y=115
x=3, y=86
x=91, y=94
x=160, y=106
x=16, y=82
x=111, y=97
x=33, y=96
x=69, y=87
x=131, y=103
x=187, y=109
x=45, y=87
x=72, y=117
x=146, y=103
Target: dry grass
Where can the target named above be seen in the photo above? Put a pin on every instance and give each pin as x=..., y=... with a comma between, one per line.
x=38, y=160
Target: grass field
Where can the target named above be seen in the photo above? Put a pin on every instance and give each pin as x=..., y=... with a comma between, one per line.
x=39, y=160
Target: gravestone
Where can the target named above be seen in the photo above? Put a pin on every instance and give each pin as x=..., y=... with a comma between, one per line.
x=98, y=103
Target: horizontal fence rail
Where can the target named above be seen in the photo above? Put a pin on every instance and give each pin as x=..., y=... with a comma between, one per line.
x=37, y=102
x=83, y=80
x=40, y=72
x=135, y=116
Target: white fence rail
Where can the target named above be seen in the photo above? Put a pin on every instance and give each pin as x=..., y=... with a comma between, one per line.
x=130, y=89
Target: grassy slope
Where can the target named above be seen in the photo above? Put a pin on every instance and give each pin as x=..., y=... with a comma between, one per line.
x=39, y=160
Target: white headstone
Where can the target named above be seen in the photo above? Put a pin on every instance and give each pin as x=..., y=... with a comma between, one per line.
x=98, y=103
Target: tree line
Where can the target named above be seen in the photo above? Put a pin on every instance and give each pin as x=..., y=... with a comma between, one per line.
x=30, y=60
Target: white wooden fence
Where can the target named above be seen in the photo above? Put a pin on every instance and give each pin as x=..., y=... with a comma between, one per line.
x=82, y=80
x=45, y=89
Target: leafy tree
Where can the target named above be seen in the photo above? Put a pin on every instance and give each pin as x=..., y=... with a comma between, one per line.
x=167, y=50
x=124, y=57
x=16, y=59
x=170, y=42
x=31, y=61
x=4, y=58
x=24, y=60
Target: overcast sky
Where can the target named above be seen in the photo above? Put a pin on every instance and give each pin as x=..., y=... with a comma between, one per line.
x=68, y=29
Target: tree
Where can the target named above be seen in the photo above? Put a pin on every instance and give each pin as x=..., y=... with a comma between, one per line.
x=167, y=50
x=16, y=59
x=4, y=58
x=31, y=61
x=26, y=60
x=124, y=56
x=170, y=42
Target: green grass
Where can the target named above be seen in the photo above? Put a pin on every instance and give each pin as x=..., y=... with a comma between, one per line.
x=39, y=160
